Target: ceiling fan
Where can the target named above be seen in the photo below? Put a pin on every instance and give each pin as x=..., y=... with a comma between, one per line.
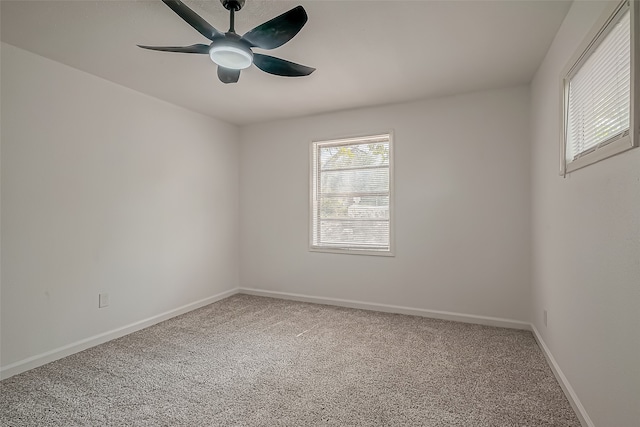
x=232, y=52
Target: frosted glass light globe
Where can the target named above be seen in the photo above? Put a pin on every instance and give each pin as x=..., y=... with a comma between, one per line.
x=231, y=57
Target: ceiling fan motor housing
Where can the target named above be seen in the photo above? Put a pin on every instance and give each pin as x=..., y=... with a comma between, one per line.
x=234, y=5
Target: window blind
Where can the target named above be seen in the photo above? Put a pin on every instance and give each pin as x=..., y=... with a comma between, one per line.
x=351, y=194
x=599, y=95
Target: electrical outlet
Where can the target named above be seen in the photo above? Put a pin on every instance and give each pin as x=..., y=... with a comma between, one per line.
x=545, y=318
x=103, y=300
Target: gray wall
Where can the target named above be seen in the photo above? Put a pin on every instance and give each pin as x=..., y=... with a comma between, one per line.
x=586, y=250
x=106, y=190
x=462, y=228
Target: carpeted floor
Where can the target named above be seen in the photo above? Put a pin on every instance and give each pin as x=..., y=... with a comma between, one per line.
x=253, y=361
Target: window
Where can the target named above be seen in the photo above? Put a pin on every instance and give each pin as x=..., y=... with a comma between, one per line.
x=599, y=85
x=351, y=195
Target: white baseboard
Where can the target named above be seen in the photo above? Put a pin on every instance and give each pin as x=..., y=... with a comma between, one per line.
x=564, y=382
x=60, y=352
x=435, y=314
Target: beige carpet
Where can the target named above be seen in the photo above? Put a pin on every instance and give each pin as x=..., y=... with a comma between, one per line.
x=253, y=361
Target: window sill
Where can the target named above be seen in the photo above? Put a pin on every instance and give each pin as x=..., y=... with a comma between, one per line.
x=617, y=147
x=352, y=251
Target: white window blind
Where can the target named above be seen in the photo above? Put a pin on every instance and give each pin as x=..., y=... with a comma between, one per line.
x=598, y=107
x=351, y=195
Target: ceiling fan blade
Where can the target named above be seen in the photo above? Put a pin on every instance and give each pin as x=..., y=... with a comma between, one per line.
x=193, y=19
x=280, y=67
x=227, y=75
x=279, y=30
x=195, y=48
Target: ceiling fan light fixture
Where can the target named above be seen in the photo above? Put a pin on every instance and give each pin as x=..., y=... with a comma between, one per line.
x=232, y=57
x=232, y=52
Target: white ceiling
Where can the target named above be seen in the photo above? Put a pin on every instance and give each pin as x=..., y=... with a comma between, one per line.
x=365, y=52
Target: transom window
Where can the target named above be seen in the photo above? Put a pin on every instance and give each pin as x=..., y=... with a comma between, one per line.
x=351, y=195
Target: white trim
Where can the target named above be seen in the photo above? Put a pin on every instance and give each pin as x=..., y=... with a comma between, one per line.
x=619, y=146
x=67, y=350
x=572, y=397
x=387, y=308
x=329, y=250
x=634, y=123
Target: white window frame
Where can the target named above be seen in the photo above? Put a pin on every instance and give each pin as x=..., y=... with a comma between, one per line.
x=312, y=193
x=622, y=142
